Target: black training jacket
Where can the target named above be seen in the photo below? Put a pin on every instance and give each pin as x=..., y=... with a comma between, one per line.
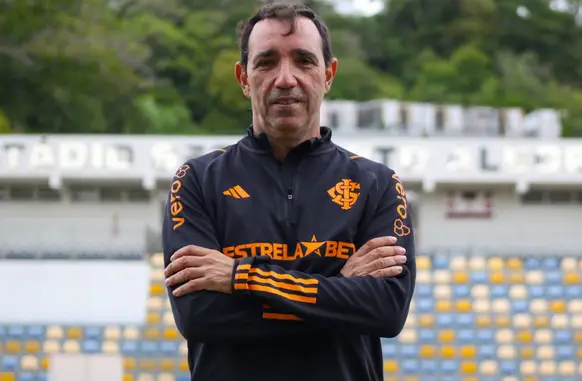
x=291, y=226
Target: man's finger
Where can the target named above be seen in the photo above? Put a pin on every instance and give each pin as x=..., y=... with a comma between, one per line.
x=191, y=286
x=386, y=251
x=189, y=250
x=375, y=243
x=181, y=264
x=387, y=272
x=185, y=275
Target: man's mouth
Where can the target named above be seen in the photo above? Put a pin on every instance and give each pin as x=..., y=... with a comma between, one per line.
x=286, y=101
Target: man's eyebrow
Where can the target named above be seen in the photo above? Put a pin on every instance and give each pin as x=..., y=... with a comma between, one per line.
x=264, y=54
x=306, y=54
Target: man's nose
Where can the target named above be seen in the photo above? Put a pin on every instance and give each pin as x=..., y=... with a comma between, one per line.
x=285, y=77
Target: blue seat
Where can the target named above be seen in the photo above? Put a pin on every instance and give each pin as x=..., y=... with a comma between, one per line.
x=36, y=332
x=128, y=347
x=508, y=367
x=427, y=335
x=550, y=263
x=424, y=290
x=42, y=376
x=409, y=365
x=565, y=352
x=429, y=366
x=409, y=350
x=500, y=291
x=553, y=277
x=389, y=350
x=9, y=363
x=465, y=320
x=532, y=264
x=15, y=332
x=466, y=335
x=444, y=320
x=536, y=291
x=450, y=378
x=461, y=291
x=149, y=347
x=93, y=332
x=520, y=306
x=485, y=335
x=26, y=377
x=183, y=377
x=450, y=366
x=555, y=291
x=563, y=336
x=487, y=352
x=479, y=276
x=169, y=348
x=440, y=263
x=91, y=346
x=425, y=305
x=573, y=292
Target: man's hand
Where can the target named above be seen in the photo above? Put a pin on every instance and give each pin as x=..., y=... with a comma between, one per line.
x=377, y=258
x=199, y=269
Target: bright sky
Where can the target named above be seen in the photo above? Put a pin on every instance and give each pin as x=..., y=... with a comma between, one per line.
x=366, y=7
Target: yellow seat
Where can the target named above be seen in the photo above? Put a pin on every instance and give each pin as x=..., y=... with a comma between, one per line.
x=502, y=321
x=32, y=346
x=460, y=277
x=468, y=367
x=443, y=305
x=129, y=363
x=468, y=351
x=495, y=264
x=153, y=318
x=516, y=277
x=446, y=336
x=578, y=337
x=423, y=263
x=72, y=346
x=112, y=333
x=54, y=332
x=426, y=320
x=530, y=378
x=157, y=289
x=572, y=278
x=428, y=351
x=390, y=366
x=447, y=351
x=579, y=354
x=110, y=347
x=184, y=366
x=7, y=376
x=168, y=365
x=44, y=363
x=541, y=322
x=29, y=362
x=464, y=305
x=497, y=278
x=527, y=352
x=470, y=379
x=151, y=334
x=514, y=264
x=75, y=333
x=147, y=365
x=524, y=336
x=558, y=306
x=13, y=347
x=171, y=334
x=128, y=377
x=483, y=321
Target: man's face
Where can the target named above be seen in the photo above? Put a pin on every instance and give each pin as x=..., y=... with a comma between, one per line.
x=286, y=77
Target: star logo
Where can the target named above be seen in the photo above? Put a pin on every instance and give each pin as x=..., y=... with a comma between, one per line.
x=312, y=247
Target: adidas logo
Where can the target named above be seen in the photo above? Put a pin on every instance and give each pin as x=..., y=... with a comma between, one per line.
x=236, y=192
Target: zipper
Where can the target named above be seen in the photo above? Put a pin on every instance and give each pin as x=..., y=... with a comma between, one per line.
x=289, y=170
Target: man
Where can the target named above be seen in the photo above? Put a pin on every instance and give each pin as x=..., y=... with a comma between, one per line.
x=287, y=257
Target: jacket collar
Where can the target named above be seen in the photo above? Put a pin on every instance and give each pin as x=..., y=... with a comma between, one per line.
x=261, y=142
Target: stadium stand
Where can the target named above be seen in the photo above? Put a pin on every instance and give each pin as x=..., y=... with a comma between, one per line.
x=474, y=318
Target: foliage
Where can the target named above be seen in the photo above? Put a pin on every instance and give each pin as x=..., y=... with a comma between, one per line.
x=167, y=66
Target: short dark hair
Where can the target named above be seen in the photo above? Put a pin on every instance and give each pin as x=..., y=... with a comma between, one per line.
x=282, y=11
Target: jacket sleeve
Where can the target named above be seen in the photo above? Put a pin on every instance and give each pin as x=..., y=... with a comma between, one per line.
x=361, y=305
x=207, y=316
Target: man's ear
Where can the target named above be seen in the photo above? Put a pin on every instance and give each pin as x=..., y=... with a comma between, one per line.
x=241, y=77
x=330, y=72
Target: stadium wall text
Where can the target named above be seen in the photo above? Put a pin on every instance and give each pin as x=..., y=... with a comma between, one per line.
x=431, y=160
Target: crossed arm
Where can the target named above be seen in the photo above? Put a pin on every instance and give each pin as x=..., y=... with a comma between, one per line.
x=215, y=297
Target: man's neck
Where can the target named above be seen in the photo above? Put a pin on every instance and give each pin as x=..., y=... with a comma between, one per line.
x=283, y=145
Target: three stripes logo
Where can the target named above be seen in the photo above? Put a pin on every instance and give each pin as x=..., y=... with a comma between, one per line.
x=237, y=192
